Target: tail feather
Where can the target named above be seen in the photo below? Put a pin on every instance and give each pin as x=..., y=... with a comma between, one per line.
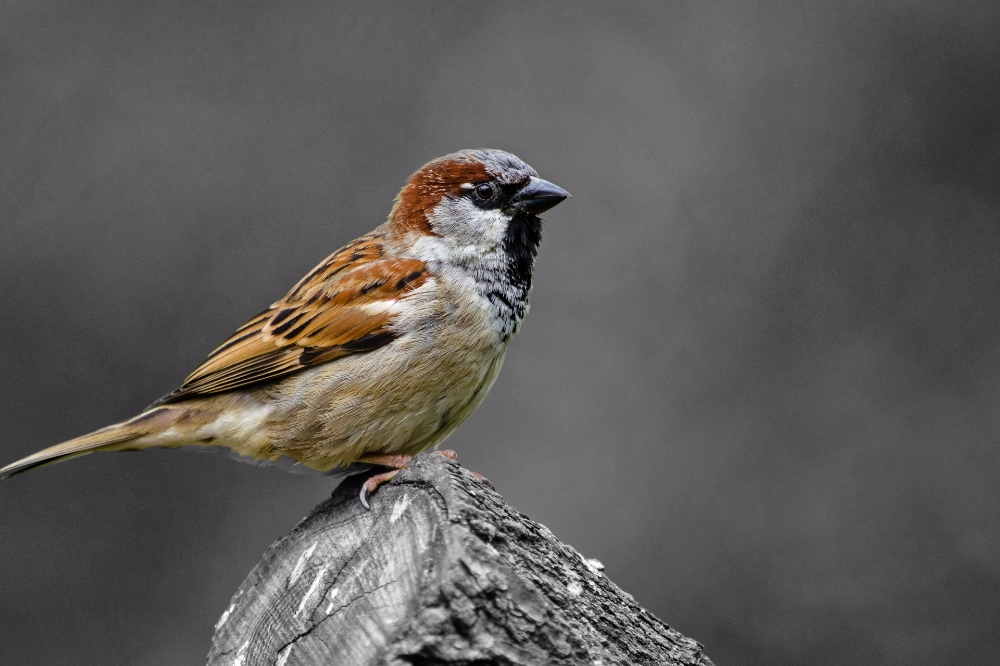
x=118, y=437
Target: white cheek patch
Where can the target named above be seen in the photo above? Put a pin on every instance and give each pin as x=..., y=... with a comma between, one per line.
x=466, y=227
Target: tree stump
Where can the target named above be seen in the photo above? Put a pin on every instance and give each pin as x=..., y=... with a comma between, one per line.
x=440, y=571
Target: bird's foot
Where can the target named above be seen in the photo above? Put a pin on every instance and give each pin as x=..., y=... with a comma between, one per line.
x=374, y=482
x=399, y=462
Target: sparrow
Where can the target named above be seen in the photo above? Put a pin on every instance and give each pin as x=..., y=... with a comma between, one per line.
x=378, y=353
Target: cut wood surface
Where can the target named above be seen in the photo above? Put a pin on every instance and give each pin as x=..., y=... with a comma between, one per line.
x=440, y=571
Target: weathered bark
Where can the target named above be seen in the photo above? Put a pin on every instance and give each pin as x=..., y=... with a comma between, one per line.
x=440, y=571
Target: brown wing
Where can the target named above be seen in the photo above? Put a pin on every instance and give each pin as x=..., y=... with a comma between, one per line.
x=344, y=306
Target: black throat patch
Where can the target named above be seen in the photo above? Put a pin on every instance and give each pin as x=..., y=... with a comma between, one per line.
x=520, y=245
x=508, y=284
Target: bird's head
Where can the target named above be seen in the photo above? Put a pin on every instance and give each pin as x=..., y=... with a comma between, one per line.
x=475, y=202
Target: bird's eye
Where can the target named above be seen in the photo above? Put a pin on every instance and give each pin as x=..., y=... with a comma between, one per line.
x=484, y=191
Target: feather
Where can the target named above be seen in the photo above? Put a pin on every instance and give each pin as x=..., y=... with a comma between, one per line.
x=343, y=306
x=117, y=437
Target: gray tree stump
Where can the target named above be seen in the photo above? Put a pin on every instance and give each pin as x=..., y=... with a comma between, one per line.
x=440, y=571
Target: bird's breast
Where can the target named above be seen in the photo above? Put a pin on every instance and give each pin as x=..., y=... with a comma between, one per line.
x=404, y=397
x=489, y=300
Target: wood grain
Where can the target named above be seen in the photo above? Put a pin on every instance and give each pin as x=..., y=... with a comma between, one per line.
x=440, y=571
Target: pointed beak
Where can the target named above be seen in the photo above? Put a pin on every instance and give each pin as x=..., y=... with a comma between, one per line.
x=538, y=196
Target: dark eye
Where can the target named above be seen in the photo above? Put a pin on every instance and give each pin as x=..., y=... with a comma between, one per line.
x=485, y=191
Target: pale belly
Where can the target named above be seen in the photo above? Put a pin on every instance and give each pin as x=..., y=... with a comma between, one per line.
x=404, y=398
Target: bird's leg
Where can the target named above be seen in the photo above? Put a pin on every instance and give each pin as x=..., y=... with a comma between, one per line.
x=399, y=462
x=394, y=461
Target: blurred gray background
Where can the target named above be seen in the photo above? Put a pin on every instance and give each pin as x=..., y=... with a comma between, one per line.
x=760, y=379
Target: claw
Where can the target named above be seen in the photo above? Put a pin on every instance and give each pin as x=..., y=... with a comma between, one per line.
x=374, y=482
x=399, y=462
x=451, y=455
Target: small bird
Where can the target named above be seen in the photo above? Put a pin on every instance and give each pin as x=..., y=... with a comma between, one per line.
x=382, y=350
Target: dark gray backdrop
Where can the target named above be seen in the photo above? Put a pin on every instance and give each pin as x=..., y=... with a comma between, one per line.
x=760, y=379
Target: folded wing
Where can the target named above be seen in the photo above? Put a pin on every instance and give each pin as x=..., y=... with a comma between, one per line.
x=346, y=305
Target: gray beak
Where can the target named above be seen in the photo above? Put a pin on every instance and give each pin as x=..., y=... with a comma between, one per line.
x=538, y=196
